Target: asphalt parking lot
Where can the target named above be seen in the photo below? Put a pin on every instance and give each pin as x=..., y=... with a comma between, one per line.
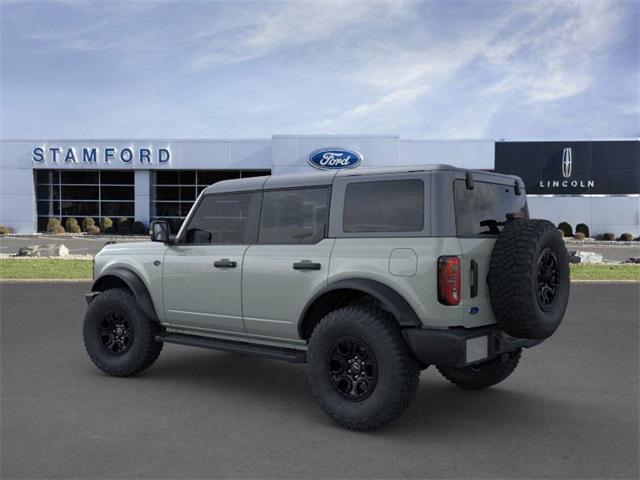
x=569, y=411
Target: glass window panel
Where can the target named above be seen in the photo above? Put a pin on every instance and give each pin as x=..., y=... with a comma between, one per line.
x=386, y=206
x=71, y=177
x=187, y=193
x=255, y=173
x=43, y=191
x=185, y=207
x=168, y=178
x=56, y=208
x=208, y=177
x=294, y=216
x=481, y=211
x=42, y=223
x=80, y=192
x=116, y=193
x=223, y=219
x=174, y=223
x=42, y=176
x=43, y=208
x=117, y=178
x=200, y=189
x=187, y=177
x=80, y=209
x=168, y=193
x=117, y=209
x=167, y=209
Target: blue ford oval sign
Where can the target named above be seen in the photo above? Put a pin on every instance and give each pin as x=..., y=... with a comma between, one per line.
x=334, y=158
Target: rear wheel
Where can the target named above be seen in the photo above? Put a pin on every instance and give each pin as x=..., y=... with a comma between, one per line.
x=360, y=369
x=118, y=337
x=483, y=375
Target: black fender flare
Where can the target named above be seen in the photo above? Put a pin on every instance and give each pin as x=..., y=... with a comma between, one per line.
x=390, y=299
x=135, y=284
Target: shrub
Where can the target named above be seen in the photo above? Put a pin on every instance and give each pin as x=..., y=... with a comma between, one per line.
x=561, y=233
x=57, y=230
x=107, y=225
x=4, y=230
x=124, y=226
x=93, y=230
x=608, y=236
x=626, y=237
x=138, y=228
x=566, y=228
x=579, y=236
x=88, y=222
x=52, y=224
x=583, y=228
x=71, y=225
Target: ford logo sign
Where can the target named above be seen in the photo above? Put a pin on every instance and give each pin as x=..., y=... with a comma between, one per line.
x=334, y=158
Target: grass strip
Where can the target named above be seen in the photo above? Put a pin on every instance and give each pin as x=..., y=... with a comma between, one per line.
x=49, y=268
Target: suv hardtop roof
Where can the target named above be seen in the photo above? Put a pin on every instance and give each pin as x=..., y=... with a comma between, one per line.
x=326, y=178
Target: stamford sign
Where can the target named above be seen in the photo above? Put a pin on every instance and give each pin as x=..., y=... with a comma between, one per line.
x=334, y=158
x=95, y=155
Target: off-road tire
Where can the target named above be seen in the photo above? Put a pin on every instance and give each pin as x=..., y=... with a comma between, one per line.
x=397, y=369
x=514, y=278
x=484, y=374
x=143, y=350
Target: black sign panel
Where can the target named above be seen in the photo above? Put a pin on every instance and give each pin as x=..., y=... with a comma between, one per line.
x=598, y=167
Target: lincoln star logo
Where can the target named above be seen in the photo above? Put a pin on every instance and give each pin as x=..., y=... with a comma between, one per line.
x=567, y=160
x=334, y=158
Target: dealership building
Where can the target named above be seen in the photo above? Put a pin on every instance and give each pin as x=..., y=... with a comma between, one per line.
x=596, y=182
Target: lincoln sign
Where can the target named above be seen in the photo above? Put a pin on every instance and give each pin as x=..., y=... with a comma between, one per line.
x=575, y=168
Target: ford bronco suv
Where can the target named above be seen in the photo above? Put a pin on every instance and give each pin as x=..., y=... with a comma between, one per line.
x=368, y=276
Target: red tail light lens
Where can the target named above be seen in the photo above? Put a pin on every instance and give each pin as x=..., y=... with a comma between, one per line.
x=449, y=280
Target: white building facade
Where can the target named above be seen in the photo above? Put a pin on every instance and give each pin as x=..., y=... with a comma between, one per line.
x=144, y=180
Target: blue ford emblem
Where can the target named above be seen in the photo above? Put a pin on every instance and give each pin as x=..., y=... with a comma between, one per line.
x=334, y=158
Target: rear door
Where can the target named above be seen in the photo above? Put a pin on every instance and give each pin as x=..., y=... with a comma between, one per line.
x=289, y=263
x=202, y=272
x=480, y=214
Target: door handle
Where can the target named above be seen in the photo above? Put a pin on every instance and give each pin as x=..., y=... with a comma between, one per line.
x=225, y=263
x=474, y=279
x=306, y=265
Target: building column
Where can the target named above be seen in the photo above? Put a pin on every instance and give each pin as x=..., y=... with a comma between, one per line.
x=142, y=189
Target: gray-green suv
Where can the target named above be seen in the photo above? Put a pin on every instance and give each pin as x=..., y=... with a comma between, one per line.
x=368, y=276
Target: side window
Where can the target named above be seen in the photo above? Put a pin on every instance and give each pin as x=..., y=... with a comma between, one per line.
x=384, y=206
x=224, y=218
x=294, y=216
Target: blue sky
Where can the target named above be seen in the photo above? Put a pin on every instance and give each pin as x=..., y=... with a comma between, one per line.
x=423, y=70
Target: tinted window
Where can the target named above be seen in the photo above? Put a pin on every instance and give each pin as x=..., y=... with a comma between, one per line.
x=389, y=206
x=223, y=219
x=294, y=216
x=483, y=210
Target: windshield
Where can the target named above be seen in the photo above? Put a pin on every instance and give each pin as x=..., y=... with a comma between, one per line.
x=483, y=210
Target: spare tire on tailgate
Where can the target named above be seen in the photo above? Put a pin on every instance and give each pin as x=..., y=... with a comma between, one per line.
x=529, y=278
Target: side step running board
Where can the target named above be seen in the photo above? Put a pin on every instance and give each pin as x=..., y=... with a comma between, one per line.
x=279, y=353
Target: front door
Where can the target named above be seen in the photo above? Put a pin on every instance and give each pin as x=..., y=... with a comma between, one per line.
x=202, y=274
x=288, y=264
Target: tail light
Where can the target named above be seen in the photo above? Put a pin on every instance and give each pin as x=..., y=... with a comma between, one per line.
x=449, y=280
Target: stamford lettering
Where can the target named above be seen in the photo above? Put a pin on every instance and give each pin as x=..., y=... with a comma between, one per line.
x=108, y=155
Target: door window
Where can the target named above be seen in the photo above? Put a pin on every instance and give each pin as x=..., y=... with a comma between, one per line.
x=294, y=216
x=224, y=219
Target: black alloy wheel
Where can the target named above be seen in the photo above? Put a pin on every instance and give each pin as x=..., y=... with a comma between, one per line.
x=547, y=278
x=116, y=332
x=353, y=369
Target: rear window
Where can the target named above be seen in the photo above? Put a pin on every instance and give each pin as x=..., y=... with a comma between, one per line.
x=483, y=210
x=385, y=206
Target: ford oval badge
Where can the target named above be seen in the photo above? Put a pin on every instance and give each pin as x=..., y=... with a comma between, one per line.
x=334, y=158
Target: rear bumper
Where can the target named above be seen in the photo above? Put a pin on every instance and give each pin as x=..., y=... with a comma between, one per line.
x=460, y=347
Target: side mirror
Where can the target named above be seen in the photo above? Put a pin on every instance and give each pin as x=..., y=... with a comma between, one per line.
x=160, y=231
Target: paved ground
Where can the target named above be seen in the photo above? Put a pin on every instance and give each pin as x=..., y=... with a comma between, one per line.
x=76, y=245
x=569, y=411
x=612, y=252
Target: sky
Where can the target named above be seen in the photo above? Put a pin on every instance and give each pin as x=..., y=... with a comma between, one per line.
x=420, y=70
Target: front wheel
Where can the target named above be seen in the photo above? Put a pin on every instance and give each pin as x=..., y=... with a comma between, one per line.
x=118, y=337
x=360, y=368
x=483, y=375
